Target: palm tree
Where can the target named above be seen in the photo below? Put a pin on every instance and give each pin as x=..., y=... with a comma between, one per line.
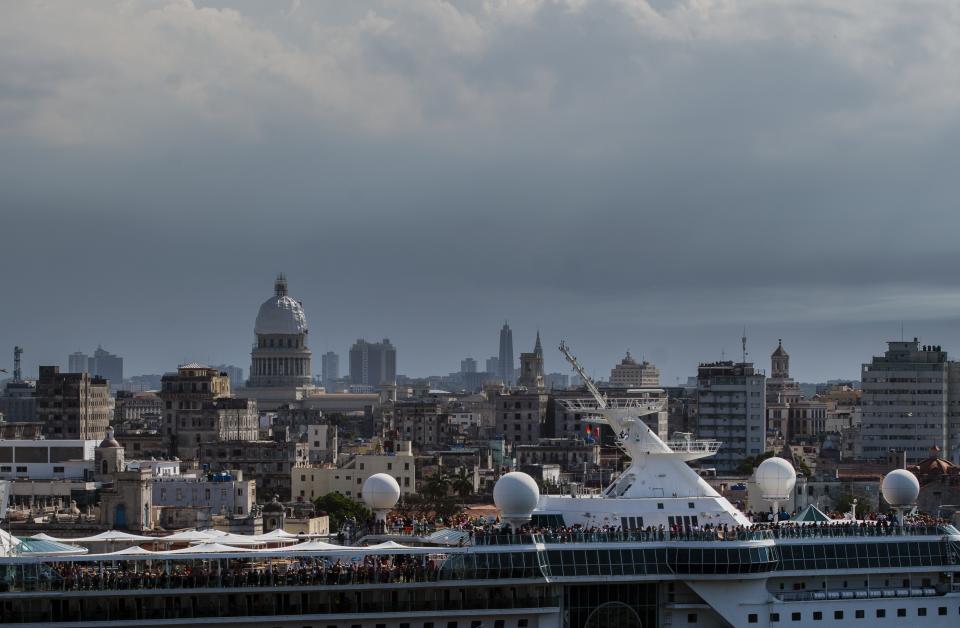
x=462, y=483
x=436, y=486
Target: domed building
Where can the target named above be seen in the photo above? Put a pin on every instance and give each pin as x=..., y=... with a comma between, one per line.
x=280, y=357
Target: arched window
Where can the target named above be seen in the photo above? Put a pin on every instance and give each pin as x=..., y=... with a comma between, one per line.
x=105, y=468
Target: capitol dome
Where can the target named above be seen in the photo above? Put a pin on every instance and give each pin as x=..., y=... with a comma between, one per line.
x=281, y=313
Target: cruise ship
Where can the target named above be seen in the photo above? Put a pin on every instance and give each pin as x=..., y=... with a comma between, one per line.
x=658, y=548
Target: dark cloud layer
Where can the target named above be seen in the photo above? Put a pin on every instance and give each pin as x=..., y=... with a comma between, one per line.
x=651, y=176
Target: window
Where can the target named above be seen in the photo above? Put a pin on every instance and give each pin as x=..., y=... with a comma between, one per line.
x=523, y=623
x=901, y=612
x=774, y=617
x=451, y=624
x=499, y=624
x=881, y=613
x=817, y=616
x=691, y=618
x=476, y=623
x=838, y=614
x=659, y=505
x=794, y=616
x=942, y=610
x=752, y=618
x=922, y=611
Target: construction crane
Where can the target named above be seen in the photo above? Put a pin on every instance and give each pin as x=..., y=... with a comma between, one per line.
x=601, y=399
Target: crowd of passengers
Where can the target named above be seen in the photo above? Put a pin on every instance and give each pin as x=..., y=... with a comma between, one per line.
x=304, y=571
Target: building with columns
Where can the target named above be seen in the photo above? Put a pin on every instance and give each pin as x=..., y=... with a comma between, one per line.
x=280, y=362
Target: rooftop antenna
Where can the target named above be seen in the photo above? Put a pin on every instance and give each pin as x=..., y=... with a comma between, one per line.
x=17, y=373
x=743, y=345
x=901, y=331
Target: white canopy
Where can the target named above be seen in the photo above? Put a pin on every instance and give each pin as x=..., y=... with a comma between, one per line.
x=310, y=546
x=136, y=550
x=111, y=536
x=387, y=545
x=46, y=537
x=203, y=548
x=187, y=536
x=237, y=539
x=277, y=535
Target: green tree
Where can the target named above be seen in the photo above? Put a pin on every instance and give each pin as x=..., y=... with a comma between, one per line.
x=436, y=486
x=340, y=508
x=462, y=484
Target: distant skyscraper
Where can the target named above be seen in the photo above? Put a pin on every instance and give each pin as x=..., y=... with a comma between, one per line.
x=506, y=366
x=468, y=365
x=106, y=365
x=373, y=363
x=78, y=362
x=235, y=373
x=493, y=365
x=330, y=369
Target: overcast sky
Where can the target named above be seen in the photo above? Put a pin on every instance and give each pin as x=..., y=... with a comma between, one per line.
x=651, y=175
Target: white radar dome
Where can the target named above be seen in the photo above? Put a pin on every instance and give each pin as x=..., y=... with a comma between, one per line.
x=776, y=478
x=900, y=488
x=381, y=491
x=516, y=496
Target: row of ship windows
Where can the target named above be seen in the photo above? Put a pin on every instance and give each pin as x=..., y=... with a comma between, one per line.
x=475, y=623
x=861, y=555
x=880, y=613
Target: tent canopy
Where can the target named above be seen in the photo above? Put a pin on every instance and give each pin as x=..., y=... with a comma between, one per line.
x=811, y=514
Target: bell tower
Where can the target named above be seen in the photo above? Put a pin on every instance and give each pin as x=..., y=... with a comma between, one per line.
x=780, y=362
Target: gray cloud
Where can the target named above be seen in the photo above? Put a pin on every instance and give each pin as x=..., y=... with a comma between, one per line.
x=624, y=174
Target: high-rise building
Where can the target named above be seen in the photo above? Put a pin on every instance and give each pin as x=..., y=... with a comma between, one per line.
x=373, y=363
x=235, y=373
x=909, y=398
x=72, y=405
x=731, y=402
x=280, y=357
x=18, y=403
x=631, y=374
x=78, y=362
x=531, y=368
x=106, y=365
x=493, y=365
x=468, y=365
x=330, y=369
x=505, y=361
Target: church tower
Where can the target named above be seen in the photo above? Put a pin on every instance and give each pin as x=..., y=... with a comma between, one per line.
x=780, y=362
x=531, y=368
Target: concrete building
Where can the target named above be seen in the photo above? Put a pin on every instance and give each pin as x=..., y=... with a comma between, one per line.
x=373, y=363
x=311, y=482
x=234, y=373
x=631, y=374
x=280, y=357
x=505, y=362
x=78, y=362
x=521, y=416
x=270, y=463
x=106, y=365
x=18, y=402
x=198, y=408
x=137, y=409
x=468, y=365
x=45, y=460
x=731, y=408
x=72, y=405
x=908, y=403
x=215, y=494
x=423, y=422
x=330, y=370
x=493, y=366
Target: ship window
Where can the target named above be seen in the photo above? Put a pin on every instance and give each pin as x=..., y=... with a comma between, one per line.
x=838, y=614
x=774, y=617
x=690, y=505
x=817, y=615
x=752, y=618
x=659, y=505
x=499, y=624
x=691, y=618
x=795, y=617
x=881, y=612
x=922, y=611
x=942, y=610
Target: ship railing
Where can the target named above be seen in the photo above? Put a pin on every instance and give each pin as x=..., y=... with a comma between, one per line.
x=686, y=446
x=841, y=530
x=630, y=536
